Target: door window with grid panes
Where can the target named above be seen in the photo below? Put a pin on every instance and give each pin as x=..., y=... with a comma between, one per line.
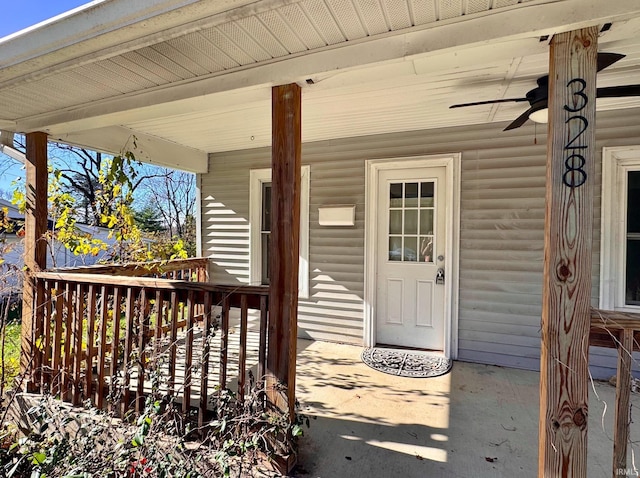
x=411, y=224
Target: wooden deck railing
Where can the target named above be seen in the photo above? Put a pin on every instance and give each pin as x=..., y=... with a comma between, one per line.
x=194, y=269
x=99, y=337
x=621, y=331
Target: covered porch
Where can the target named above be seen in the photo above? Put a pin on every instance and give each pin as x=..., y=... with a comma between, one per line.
x=226, y=90
x=477, y=420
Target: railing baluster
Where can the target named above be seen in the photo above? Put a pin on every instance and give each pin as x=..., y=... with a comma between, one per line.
x=128, y=349
x=186, y=401
x=622, y=412
x=159, y=317
x=143, y=324
x=115, y=345
x=224, y=342
x=45, y=384
x=242, y=359
x=204, y=375
x=262, y=347
x=57, y=372
x=173, y=346
x=202, y=274
x=91, y=325
x=66, y=375
x=158, y=327
x=77, y=348
x=38, y=332
x=102, y=351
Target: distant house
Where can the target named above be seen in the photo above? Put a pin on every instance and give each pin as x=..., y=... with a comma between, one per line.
x=12, y=247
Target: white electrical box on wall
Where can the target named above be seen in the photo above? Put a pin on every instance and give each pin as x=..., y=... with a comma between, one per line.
x=337, y=215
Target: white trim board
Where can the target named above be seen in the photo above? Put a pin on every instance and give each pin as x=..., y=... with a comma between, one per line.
x=452, y=163
x=256, y=178
x=198, y=214
x=616, y=162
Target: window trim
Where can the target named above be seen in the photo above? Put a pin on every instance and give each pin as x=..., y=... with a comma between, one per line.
x=616, y=163
x=257, y=177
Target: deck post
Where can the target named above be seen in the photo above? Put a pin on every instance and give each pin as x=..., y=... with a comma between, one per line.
x=622, y=413
x=285, y=238
x=566, y=295
x=35, y=246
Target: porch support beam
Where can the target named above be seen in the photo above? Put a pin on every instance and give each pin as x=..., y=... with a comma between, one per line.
x=35, y=245
x=146, y=147
x=566, y=295
x=284, y=252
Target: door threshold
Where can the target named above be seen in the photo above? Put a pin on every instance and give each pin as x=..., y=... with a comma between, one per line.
x=402, y=347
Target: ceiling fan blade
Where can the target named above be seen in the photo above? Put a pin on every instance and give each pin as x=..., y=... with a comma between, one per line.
x=605, y=60
x=618, y=91
x=488, y=102
x=522, y=119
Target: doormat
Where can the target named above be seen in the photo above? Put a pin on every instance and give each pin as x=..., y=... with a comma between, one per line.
x=406, y=363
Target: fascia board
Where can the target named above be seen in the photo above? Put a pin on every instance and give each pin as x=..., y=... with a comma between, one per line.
x=105, y=28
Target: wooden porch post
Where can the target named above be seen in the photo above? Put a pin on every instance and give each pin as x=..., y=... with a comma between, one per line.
x=285, y=240
x=35, y=246
x=566, y=295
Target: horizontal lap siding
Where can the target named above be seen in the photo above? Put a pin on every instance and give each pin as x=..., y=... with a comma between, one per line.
x=502, y=241
x=501, y=251
x=501, y=231
x=225, y=221
x=334, y=309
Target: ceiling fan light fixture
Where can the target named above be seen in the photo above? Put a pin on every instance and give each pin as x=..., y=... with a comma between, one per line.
x=538, y=97
x=540, y=116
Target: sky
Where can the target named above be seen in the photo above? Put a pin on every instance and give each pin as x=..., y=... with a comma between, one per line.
x=20, y=14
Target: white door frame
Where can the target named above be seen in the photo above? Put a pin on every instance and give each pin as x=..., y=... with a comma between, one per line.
x=451, y=162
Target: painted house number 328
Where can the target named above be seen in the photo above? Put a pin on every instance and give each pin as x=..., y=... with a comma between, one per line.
x=574, y=175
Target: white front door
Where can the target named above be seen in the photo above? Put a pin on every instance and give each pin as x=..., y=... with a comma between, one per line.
x=410, y=304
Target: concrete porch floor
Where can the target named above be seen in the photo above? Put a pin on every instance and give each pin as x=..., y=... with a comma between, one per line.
x=476, y=421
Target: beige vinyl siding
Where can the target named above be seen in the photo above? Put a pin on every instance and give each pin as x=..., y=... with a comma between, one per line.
x=501, y=231
x=334, y=309
x=225, y=223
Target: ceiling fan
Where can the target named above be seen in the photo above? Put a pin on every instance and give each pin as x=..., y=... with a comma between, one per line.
x=538, y=97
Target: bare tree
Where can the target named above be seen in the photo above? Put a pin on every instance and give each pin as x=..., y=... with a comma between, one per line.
x=173, y=192
x=80, y=170
x=170, y=193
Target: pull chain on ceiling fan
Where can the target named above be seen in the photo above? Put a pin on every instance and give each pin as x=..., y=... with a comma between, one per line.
x=538, y=98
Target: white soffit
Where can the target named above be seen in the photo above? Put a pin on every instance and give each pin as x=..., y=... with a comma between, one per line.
x=377, y=66
x=391, y=97
x=241, y=39
x=36, y=82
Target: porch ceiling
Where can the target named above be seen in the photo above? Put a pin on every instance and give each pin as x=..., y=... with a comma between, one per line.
x=187, y=78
